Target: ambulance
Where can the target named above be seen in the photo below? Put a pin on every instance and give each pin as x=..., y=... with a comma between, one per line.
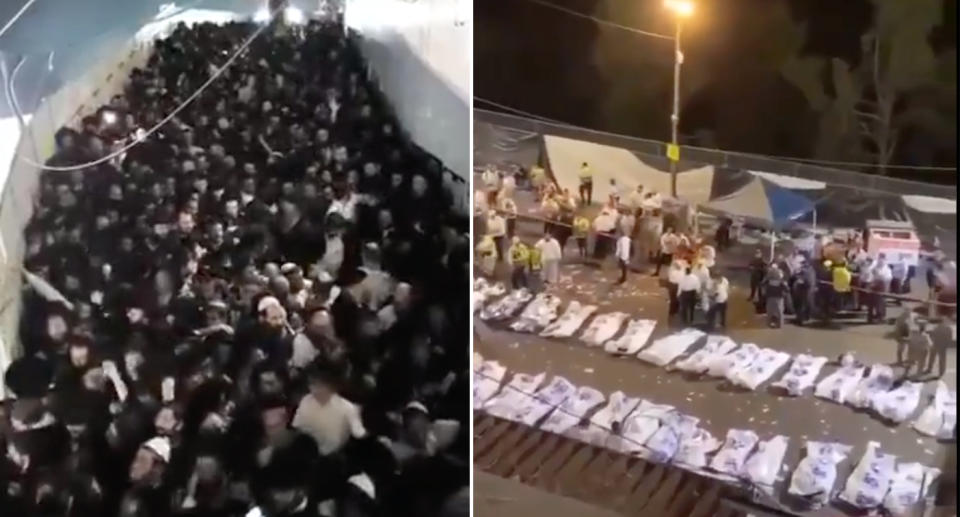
x=896, y=240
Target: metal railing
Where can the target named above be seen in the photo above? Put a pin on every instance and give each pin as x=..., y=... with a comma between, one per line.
x=697, y=156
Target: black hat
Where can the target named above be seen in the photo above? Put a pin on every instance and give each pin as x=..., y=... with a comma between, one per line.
x=29, y=376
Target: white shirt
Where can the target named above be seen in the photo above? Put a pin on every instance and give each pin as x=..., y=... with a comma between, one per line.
x=331, y=425
x=345, y=207
x=496, y=226
x=689, y=282
x=882, y=272
x=675, y=275
x=303, y=351
x=721, y=290
x=623, y=248
x=549, y=249
x=668, y=243
x=490, y=179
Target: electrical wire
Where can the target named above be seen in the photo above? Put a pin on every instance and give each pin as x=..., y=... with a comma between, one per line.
x=16, y=17
x=601, y=21
x=168, y=118
x=811, y=161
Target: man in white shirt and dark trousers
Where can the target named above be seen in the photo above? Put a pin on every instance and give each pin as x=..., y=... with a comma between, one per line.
x=689, y=293
x=668, y=245
x=719, y=292
x=623, y=256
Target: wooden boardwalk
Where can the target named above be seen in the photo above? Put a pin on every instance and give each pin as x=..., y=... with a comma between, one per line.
x=564, y=466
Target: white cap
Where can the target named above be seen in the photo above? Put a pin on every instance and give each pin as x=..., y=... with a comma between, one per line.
x=418, y=407
x=267, y=301
x=160, y=446
x=288, y=268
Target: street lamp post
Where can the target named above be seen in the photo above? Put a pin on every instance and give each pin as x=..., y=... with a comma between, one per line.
x=681, y=9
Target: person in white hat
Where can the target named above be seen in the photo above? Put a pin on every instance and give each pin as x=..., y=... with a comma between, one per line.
x=150, y=462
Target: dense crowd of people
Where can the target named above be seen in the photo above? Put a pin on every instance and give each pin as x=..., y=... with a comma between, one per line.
x=261, y=309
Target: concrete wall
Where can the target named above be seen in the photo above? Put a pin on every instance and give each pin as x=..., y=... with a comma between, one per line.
x=419, y=51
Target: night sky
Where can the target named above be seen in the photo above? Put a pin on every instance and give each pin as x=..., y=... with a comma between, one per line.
x=543, y=61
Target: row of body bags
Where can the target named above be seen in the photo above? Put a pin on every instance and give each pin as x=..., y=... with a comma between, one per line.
x=661, y=433
x=746, y=365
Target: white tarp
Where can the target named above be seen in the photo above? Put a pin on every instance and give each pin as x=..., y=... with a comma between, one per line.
x=931, y=205
x=607, y=163
x=790, y=182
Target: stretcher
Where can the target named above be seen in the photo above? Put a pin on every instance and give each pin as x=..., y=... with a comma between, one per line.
x=802, y=374
x=633, y=339
x=571, y=411
x=532, y=409
x=736, y=448
x=513, y=395
x=642, y=424
x=839, y=385
x=899, y=403
x=739, y=359
x=618, y=408
x=699, y=361
x=570, y=321
x=763, y=466
x=506, y=307
x=664, y=350
x=870, y=479
x=816, y=474
x=538, y=314
x=767, y=363
x=878, y=380
x=939, y=419
x=486, y=381
x=603, y=328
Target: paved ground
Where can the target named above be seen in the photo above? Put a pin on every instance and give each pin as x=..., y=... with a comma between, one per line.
x=719, y=407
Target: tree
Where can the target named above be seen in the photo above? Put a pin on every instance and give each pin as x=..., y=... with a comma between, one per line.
x=868, y=105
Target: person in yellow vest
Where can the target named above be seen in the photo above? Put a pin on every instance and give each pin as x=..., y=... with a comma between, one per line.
x=581, y=228
x=841, y=285
x=535, y=265
x=538, y=177
x=586, y=184
x=487, y=255
x=519, y=258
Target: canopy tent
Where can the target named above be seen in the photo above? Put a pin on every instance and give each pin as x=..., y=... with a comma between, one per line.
x=618, y=170
x=790, y=182
x=763, y=202
x=931, y=205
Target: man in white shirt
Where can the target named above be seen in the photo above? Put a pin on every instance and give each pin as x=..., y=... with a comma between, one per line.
x=674, y=276
x=325, y=416
x=668, y=246
x=623, y=256
x=719, y=293
x=689, y=291
x=497, y=228
x=550, y=254
x=881, y=278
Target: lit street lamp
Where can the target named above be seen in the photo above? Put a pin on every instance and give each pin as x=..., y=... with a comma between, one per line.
x=681, y=9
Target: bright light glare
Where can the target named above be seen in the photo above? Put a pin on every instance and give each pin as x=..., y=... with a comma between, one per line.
x=681, y=8
x=109, y=117
x=262, y=15
x=294, y=16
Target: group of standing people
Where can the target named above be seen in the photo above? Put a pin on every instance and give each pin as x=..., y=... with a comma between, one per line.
x=260, y=308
